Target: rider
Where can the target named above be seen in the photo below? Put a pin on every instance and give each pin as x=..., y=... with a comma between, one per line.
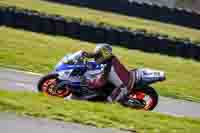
x=114, y=72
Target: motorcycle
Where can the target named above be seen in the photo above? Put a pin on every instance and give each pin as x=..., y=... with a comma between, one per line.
x=73, y=67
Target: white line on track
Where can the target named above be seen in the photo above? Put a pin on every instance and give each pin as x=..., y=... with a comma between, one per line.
x=20, y=71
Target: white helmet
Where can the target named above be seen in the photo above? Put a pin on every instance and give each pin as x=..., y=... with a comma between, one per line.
x=103, y=47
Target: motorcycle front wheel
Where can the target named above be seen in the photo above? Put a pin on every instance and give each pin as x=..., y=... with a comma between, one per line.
x=47, y=85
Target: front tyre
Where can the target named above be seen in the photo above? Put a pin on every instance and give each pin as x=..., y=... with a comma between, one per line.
x=147, y=96
x=47, y=85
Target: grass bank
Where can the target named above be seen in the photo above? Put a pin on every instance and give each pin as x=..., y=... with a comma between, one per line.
x=39, y=53
x=106, y=17
x=95, y=114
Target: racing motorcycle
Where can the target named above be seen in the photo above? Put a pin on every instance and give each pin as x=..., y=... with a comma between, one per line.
x=73, y=67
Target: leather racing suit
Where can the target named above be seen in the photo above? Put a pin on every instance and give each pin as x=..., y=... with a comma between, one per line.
x=114, y=73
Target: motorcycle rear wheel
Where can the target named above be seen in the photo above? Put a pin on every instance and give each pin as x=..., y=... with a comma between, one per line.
x=47, y=85
x=148, y=96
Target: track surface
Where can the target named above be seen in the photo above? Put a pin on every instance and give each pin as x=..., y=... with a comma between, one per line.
x=18, y=80
x=10, y=123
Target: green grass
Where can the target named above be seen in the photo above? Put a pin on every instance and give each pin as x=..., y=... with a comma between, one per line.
x=106, y=17
x=95, y=114
x=39, y=53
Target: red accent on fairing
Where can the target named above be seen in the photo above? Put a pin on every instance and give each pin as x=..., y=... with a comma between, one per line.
x=97, y=83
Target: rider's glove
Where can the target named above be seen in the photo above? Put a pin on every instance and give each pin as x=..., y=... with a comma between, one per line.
x=84, y=54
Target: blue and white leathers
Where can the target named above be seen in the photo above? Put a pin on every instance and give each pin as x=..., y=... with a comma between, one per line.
x=74, y=71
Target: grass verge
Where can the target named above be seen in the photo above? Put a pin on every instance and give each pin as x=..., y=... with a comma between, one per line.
x=95, y=114
x=106, y=17
x=39, y=53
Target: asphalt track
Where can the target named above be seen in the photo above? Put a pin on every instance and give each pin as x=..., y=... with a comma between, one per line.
x=11, y=123
x=19, y=80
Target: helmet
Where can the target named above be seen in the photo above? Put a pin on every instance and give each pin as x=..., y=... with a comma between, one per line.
x=103, y=49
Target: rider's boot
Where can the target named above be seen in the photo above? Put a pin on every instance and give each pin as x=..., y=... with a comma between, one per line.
x=118, y=94
x=121, y=95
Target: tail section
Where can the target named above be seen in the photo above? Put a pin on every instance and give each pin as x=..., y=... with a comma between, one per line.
x=149, y=76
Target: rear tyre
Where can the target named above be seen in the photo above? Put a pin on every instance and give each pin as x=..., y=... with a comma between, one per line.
x=47, y=85
x=147, y=96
